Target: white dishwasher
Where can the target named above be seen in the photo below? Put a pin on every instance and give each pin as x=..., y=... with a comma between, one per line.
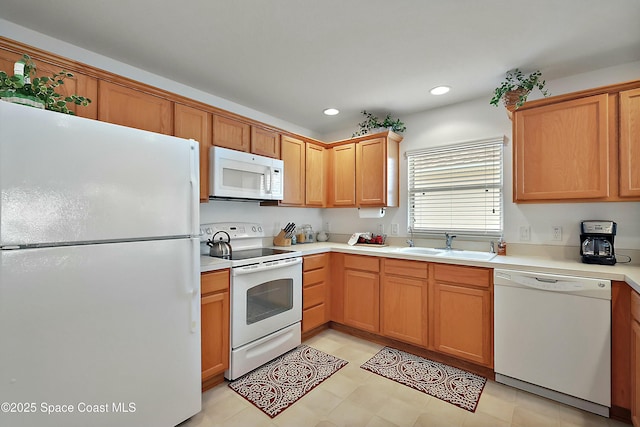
x=552, y=337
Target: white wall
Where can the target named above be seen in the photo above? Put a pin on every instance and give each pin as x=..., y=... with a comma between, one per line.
x=477, y=119
x=272, y=218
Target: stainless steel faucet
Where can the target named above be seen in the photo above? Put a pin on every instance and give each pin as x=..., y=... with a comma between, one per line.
x=492, y=247
x=410, y=241
x=449, y=239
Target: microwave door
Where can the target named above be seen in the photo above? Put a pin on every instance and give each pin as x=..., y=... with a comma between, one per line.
x=242, y=180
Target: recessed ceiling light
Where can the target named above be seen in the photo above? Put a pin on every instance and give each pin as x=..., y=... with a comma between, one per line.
x=331, y=111
x=440, y=90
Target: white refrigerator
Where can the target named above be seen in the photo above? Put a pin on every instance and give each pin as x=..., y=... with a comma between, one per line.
x=99, y=275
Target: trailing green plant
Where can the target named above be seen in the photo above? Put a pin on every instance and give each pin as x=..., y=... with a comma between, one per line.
x=516, y=80
x=373, y=122
x=41, y=88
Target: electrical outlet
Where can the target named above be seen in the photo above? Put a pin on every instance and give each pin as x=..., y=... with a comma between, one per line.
x=380, y=228
x=395, y=229
x=525, y=233
x=327, y=226
x=556, y=232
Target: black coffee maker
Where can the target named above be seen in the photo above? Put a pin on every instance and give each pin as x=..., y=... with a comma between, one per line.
x=596, y=242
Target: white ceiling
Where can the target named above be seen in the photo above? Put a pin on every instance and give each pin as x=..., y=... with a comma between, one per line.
x=293, y=58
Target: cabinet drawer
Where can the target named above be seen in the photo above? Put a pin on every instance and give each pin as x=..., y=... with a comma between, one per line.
x=357, y=262
x=313, y=262
x=313, y=317
x=635, y=306
x=418, y=269
x=310, y=278
x=313, y=295
x=472, y=276
x=214, y=282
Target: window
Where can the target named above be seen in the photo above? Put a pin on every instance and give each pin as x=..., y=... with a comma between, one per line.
x=457, y=189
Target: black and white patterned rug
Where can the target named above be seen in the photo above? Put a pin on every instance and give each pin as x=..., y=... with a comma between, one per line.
x=453, y=385
x=281, y=382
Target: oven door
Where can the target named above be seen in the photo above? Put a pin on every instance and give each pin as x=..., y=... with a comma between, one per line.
x=264, y=299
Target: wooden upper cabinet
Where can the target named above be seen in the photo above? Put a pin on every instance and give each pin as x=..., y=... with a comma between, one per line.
x=292, y=152
x=316, y=175
x=343, y=186
x=265, y=142
x=79, y=84
x=130, y=107
x=561, y=151
x=365, y=172
x=231, y=133
x=629, y=143
x=377, y=172
x=195, y=124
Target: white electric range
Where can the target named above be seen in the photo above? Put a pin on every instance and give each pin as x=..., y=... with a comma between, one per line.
x=266, y=295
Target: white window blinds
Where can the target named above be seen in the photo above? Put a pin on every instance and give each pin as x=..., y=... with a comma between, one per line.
x=457, y=189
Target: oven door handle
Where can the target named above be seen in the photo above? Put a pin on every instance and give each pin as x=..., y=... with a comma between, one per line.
x=272, y=265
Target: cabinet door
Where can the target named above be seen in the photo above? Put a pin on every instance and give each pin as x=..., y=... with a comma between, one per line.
x=362, y=300
x=629, y=143
x=403, y=308
x=215, y=334
x=462, y=323
x=129, y=107
x=293, y=155
x=230, y=133
x=265, y=142
x=316, y=175
x=635, y=374
x=635, y=358
x=79, y=84
x=561, y=151
x=343, y=185
x=192, y=123
x=371, y=173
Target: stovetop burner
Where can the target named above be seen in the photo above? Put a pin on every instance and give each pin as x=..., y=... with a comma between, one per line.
x=246, y=240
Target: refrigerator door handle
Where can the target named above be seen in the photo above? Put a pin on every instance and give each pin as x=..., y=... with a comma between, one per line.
x=195, y=188
x=195, y=291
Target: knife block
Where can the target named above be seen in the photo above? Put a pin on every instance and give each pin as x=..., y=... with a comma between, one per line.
x=280, y=240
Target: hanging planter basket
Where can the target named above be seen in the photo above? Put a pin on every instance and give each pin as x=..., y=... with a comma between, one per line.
x=511, y=98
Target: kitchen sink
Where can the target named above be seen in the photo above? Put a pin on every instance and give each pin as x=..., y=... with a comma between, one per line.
x=474, y=255
x=422, y=251
x=449, y=253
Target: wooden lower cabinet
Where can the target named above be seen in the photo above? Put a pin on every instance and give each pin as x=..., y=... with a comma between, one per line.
x=461, y=312
x=214, y=313
x=403, y=301
x=635, y=358
x=315, y=291
x=361, y=282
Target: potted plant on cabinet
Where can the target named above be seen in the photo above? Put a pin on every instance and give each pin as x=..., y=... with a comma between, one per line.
x=516, y=87
x=372, y=124
x=23, y=87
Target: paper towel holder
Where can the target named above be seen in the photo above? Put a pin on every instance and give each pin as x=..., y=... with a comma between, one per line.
x=371, y=212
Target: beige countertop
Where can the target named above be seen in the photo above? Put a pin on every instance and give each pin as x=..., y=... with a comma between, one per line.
x=539, y=264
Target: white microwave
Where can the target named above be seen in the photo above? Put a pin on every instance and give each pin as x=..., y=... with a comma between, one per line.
x=239, y=175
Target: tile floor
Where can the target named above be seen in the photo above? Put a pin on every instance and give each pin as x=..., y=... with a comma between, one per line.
x=355, y=397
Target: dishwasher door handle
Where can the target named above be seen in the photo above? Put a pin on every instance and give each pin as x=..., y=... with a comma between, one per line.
x=546, y=280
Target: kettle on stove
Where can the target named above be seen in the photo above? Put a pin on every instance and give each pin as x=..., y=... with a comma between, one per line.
x=220, y=249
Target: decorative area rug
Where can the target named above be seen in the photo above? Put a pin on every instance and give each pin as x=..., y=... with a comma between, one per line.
x=281, y=382
x=453, y=385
